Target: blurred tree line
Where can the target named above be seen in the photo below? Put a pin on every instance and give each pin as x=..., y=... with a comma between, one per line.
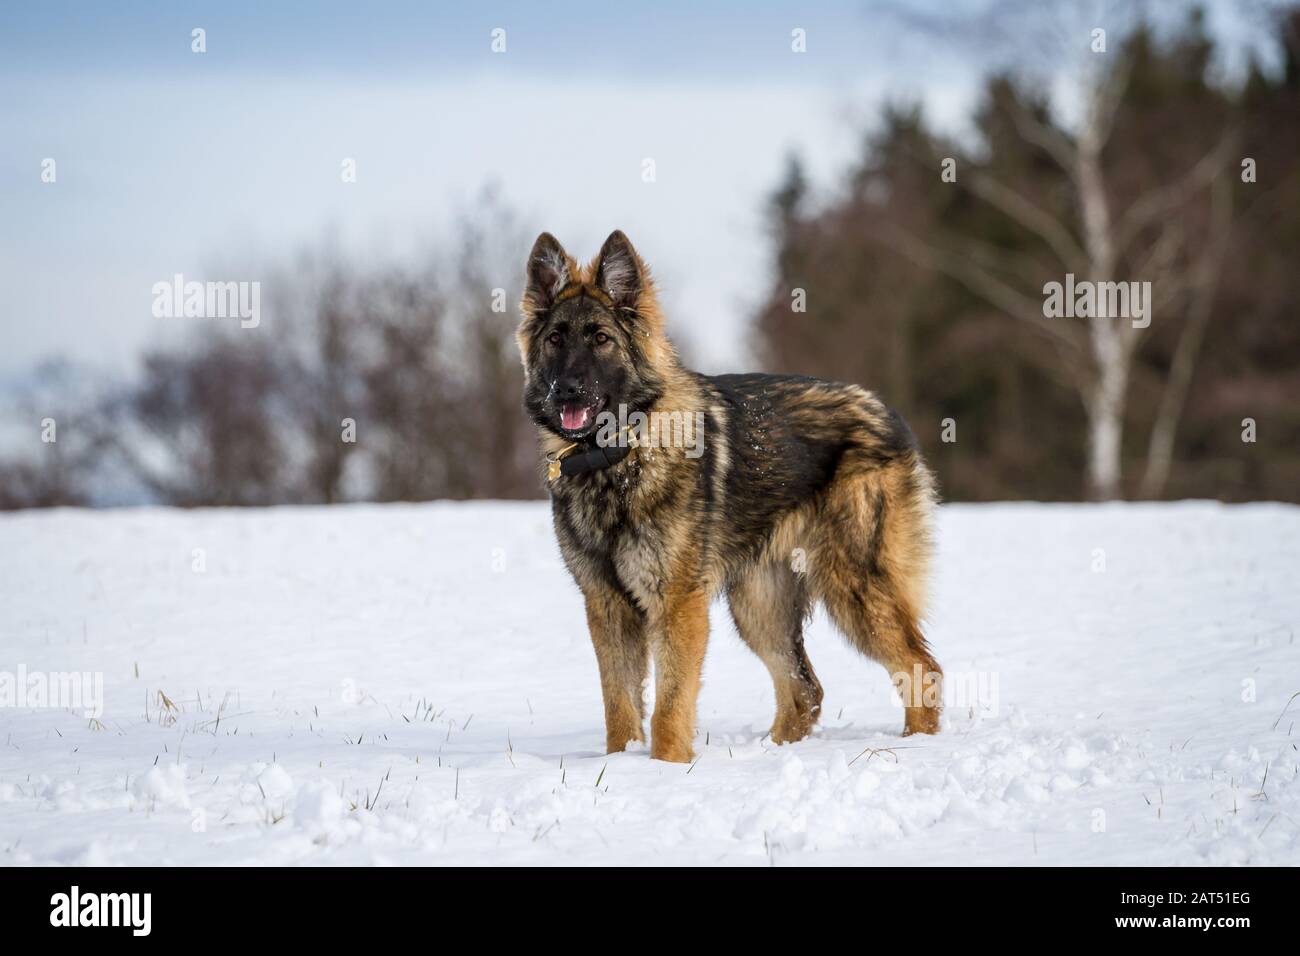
x=395, y=383
x=931, y=288
x=922, y=277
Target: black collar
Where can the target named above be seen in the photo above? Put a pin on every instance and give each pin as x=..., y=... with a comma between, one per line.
x=582, y=457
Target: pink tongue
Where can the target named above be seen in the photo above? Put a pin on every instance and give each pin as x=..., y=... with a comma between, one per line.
x=574, y=416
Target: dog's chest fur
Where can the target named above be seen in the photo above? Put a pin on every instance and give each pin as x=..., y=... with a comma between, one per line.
x=625, y=527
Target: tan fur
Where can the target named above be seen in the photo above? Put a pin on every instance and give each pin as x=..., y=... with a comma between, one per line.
x=618, y=634
x=679, y=634
x=768, y=604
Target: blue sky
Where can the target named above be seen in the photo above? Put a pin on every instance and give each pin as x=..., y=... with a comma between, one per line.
x=431, y=39
x=225, y=165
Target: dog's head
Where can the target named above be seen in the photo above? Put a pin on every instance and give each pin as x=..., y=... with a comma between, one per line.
x=591, y=339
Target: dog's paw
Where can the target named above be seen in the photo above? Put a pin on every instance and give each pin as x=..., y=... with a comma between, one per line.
x=921, y=720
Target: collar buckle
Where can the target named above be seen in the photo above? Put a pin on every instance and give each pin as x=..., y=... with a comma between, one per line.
x=555, y=459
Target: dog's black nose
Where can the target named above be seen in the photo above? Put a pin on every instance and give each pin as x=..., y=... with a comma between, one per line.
x=570, y=387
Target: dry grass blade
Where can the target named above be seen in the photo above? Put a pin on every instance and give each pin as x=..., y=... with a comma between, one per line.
x=1284, y=709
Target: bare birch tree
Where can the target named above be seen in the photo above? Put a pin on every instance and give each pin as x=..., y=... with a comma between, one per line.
x=1088, y=237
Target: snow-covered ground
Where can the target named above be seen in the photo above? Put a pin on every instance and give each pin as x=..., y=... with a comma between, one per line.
x=414, y=684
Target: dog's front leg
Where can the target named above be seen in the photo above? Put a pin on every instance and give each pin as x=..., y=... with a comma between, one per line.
x=618, y=633
x=678, y=637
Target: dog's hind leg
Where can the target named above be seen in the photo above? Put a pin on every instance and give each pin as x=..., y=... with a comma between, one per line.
x=769, y=604
x=871, y=575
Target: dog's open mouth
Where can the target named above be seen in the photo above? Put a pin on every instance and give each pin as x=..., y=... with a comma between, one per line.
x=577, y=417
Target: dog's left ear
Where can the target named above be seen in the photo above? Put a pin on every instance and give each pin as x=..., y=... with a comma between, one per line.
x=619, y=272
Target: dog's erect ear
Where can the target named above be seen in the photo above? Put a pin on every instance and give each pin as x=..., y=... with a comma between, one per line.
x=619, y=272
x=548, y=271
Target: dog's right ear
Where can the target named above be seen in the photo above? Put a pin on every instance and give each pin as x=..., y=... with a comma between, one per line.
x=549, y=270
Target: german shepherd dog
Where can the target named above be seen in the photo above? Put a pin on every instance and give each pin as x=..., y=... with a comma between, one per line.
x=804, y=491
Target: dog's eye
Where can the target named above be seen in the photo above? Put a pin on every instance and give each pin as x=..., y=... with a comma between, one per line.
x=601, y=338
x=555, y=338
